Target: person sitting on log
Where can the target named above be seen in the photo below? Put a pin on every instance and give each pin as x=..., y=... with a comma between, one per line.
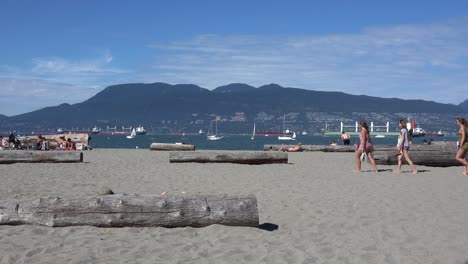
x=39, y=142
x=70, y=144
x=14, y=143
x=333, y=143
x=62, y=144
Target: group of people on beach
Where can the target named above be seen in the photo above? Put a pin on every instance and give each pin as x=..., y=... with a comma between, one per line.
x=366, y=147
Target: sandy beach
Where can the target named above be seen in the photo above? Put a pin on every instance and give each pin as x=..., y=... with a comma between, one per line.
x=325, y=213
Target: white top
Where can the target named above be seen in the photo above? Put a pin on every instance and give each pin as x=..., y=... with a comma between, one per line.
x=404, y=131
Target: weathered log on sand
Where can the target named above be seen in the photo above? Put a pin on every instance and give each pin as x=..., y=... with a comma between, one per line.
x=242, y=157
x=24, y=156
x=54, y=140
x=132, y=210
x=172, y=147
x=438, y=154
x=435, y=146
x=441, y=154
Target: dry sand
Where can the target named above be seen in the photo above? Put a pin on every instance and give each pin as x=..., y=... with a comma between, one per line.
x=325, y=213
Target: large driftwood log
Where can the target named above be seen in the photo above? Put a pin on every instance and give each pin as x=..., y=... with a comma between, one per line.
x=242, y=157
x=54, y=140
x=172, y=147
x=24, y=156
x=425, y=158
x=132, y=210
x=435, y=146
x=440, y=154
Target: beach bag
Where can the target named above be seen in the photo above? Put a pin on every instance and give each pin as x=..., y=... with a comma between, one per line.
x=363, y=156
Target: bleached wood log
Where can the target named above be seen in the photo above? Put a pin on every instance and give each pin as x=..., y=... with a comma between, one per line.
x=436, y=155
x=24, y=156
x=172, y=147
x=241, y=157
x=435, y=146
x=132, y=210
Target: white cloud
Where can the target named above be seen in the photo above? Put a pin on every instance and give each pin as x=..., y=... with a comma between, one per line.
x=24, y=95
x=53, y=81
x=406, y=61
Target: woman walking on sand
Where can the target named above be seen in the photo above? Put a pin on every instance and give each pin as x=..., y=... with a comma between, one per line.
x=365, y=146
x=403, y=147
x=463, y=144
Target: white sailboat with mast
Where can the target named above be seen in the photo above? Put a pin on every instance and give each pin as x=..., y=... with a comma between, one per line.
x=286, y=134
x=132, y=135
x=253, y=134
x=210, y=131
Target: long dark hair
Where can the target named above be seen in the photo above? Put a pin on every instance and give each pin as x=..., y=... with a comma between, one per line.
x=403, y=123
x=462, y=121
x=363, y=124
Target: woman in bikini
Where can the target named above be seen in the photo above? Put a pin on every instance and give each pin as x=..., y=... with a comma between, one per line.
x=365, y=146
x=403, y=147
x=463, y=144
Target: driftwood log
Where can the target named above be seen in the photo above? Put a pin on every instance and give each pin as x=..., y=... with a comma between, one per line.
x=438, y=154
x=24, y=156
x=441, y=154
x=435, y=146
x=54, y=140
x=132, y=210
x=172, y=147
x=241, y=157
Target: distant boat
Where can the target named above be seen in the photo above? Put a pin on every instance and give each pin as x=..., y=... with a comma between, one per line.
x=436, y=134
x=94, y=130
x=201, y=132
x=288, y=137
x=140, y=130
x=132, y=135
x=418, y=132
x=304, y=133
x=215, y=135
x=380, y=136
x=286, y=134
x=253, y=134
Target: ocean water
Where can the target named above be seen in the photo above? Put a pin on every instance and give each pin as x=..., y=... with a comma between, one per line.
x=230, y=142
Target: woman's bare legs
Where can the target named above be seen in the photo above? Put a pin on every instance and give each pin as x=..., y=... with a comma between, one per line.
x=370, y=156
x=461, y=158
x=407, y=158
x=400, y=155
x=358, y=161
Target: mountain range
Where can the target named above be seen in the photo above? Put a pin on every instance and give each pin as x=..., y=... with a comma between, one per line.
x=188, y=107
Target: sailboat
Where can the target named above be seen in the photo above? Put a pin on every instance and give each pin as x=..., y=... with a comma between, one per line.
x=286, y=134
x=215, y=136
x=132, y=135
x=253, y=134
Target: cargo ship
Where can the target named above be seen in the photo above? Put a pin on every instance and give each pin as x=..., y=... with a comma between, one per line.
x=95, y=130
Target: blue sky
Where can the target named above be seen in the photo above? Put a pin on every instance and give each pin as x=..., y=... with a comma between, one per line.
x=53, y=52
